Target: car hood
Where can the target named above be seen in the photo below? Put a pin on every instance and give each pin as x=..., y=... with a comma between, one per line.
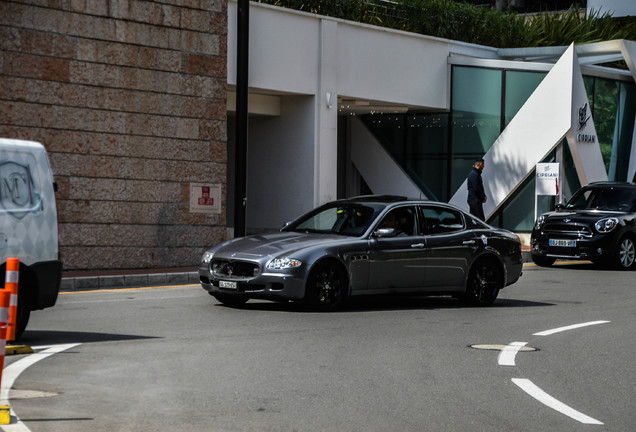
x=272, y=245
x=580, y=216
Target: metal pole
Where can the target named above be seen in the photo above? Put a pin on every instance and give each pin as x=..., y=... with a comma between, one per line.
x=242, y=61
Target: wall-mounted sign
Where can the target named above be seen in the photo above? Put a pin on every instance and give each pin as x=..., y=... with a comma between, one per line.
x=547, y=179
x=205, y=198
x=584, y=117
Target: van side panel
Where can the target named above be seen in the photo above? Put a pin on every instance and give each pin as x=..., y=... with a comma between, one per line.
x=28, y=222
x=28, y=214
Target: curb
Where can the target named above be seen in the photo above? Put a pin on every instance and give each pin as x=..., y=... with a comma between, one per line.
x=99, y=282
x=17, y=349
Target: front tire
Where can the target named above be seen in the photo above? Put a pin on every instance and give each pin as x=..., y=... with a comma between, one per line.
x=230, y=300
x=327, y=286
x=626, y=254
x=485, y=279
x=22, y=318
x=542, y=261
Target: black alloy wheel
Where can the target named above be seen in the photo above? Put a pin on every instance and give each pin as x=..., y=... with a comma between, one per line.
x=485, y=279
x=230, y=300
x=626, y=254
x=542, y=261
x=326, y=287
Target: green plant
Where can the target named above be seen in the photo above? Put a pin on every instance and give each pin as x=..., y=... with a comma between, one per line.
x=469, y=23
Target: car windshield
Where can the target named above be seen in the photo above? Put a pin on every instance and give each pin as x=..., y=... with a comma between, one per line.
x=610, y=199
x=337, y=218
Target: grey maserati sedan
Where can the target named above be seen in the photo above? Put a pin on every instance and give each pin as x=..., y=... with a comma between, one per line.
x=366, y=245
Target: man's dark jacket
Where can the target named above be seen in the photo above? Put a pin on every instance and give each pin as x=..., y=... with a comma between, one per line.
x=476, y=186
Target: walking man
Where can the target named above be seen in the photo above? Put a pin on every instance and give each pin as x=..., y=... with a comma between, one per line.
x=476, y=194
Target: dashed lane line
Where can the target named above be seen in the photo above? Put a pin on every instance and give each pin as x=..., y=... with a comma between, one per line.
x=534, y=391
x=570, y=327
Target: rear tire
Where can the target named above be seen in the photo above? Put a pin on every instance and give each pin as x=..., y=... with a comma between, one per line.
x=485, y=279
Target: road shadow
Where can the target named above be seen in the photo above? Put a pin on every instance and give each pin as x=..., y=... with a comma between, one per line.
x=52, y=337
x=578, y=265
x=384, y=303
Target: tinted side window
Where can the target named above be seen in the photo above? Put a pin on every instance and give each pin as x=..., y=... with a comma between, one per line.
x=438, y=220
x=402, y=220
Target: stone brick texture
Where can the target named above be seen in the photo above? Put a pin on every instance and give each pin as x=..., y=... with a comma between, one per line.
x=129, y=99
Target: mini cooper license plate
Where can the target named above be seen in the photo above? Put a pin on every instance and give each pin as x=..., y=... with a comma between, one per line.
x=562, y=243
x=228, y=285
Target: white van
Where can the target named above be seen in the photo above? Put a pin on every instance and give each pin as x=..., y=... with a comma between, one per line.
x=28, y=225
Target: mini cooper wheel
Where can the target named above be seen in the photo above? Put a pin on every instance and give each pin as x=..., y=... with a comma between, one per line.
x=542, y=261
x=485, y=279
x=230, y=300
x=326, y=287
x=626, y=254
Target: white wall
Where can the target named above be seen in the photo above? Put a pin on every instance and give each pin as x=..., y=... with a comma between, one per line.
x=287, y=54
x=283, y=49
x=392, y=66
x=617, y=8
x=280, y=183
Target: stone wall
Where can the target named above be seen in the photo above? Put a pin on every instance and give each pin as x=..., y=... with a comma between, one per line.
x=129, y=98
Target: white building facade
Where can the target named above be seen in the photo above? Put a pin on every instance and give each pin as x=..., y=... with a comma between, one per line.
x=338, y=109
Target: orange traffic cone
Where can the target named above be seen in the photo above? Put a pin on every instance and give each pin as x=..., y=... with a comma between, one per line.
x=11, y=285
x=5, y=302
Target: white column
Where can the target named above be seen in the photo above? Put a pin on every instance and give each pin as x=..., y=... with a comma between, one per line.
x=326, y=127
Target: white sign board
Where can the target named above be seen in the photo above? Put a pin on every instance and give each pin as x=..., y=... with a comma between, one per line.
x=205, y=198
x=547, y=179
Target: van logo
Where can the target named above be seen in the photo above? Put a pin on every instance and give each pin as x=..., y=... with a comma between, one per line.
x=16, y=188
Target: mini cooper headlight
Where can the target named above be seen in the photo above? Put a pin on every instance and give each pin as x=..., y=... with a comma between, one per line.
x=283, y=263
x=207, y=257
x=539, y=222
x=606, y=225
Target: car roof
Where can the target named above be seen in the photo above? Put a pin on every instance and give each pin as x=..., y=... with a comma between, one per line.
x=388, y=199
x=605, y=184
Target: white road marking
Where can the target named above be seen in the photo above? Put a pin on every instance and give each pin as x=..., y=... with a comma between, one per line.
x=534, y=391
x=509, y=352
x=11, y=373
x=571, y=327
x=507, y=358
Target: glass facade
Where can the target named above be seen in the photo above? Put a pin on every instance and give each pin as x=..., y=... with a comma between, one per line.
x=613, y=105
x=438, y=149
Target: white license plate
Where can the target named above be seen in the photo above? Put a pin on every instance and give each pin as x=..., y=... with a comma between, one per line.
x=562, y=243
x=228, y=285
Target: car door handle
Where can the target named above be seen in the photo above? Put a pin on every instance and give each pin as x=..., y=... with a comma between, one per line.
x=417, y=245
x=469, y=242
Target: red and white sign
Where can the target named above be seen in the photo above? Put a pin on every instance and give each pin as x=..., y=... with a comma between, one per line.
x=205, y=198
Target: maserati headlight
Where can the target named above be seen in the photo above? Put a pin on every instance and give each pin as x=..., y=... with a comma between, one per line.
x=283, y=263
x=207, y=257
x=539, y=222
x=606, y=225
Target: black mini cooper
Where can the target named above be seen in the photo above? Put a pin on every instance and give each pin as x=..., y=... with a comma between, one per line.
x=597, y=224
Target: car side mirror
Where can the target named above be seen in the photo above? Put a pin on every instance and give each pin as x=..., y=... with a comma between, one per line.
x=384, y=232
x=559, y=206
